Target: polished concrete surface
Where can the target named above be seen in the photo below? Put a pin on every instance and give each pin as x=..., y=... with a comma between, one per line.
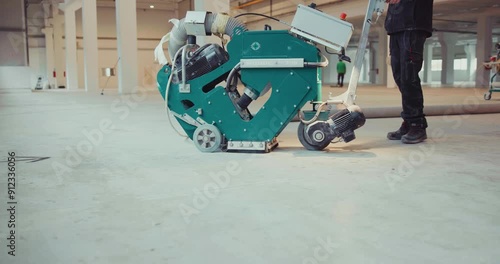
x=121, y=186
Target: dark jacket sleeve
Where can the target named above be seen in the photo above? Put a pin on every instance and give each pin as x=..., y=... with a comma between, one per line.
x=409, y=15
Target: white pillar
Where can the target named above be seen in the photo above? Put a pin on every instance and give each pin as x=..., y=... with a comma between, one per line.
x=71, y=56
x=391, y=83
x=428, y=62
x=447, y=41
x=221, y=6
x=214, y=6
x=90, y=51
x=483, y=49
x=382, y=53
x=126, y=32
x=470, y=51
x=59, y=56
x=49, y=55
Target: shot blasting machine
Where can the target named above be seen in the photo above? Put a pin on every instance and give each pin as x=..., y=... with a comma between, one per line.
x=211, y=89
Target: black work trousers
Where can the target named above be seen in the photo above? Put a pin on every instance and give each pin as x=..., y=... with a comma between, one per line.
x=340, y=79
x=407, y=49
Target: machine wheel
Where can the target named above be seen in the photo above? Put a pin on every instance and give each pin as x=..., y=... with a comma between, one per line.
x=487, y=96
x=306, y=141
x=207, y=138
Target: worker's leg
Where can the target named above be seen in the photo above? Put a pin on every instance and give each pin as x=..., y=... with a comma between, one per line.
x=412, y=50
x=396, y=52
x=411, y=89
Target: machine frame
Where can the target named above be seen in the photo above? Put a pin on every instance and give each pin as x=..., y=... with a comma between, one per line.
x=263, y=61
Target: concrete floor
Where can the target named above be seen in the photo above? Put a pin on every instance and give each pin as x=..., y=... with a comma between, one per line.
x=138, y=193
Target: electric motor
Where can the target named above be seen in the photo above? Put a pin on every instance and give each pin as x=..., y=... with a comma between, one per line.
x=202, y=61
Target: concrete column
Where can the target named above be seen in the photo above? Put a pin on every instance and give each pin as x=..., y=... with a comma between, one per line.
x=215, y=6
x=71, y=56
x=126, y=32
x=382, y=53
x=49, y=55
x=391, y=83
x=59, y=55
x=90, y=51
x=483, y=49
x=447, y=41
x=429, y=46
x=470, y=51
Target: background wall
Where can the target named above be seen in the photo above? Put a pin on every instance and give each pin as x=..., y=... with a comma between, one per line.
x=151, y=26
x=13, y=34
x=13, y=51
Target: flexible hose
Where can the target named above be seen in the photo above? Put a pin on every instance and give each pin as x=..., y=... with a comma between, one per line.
x=230, y=77
x=315, y=117
x=178, y=37
x=167, y=90
x=220, y=23
x=322, y=63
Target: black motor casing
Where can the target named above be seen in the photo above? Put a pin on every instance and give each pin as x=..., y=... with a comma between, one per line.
x=344, y=122
x=341, y=124
x=204, y=60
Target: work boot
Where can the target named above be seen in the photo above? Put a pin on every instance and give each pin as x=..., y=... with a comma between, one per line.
x=416, y=134
x=396, y=135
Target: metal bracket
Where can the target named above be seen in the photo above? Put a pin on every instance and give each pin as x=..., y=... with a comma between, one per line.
x=186, y=118
x=272, y=63
x=184, y=88
x=264, y=146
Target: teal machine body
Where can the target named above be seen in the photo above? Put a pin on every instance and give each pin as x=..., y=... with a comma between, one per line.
x=240, y=96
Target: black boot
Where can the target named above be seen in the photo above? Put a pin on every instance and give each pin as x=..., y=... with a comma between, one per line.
x=398, y=134
x=416, y=134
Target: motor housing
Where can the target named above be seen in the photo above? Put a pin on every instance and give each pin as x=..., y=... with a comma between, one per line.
x=202, y=61
x=340, y=125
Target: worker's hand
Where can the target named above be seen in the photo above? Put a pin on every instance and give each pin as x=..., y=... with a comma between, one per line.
x=392, y=1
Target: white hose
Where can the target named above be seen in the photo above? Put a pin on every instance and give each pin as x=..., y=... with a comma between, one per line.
x=159, y=54
x=214, y=23
x=220, y=23
x=315, y=117
x=168, y=88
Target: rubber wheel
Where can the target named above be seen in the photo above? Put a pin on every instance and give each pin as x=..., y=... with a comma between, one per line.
x=207, y=138
x=487, y=96
x=306, y=141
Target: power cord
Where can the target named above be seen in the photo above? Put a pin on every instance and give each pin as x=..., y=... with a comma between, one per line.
x=262, y=15
x=183, y=49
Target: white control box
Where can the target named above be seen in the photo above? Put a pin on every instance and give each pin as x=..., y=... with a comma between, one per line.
x=321, y=28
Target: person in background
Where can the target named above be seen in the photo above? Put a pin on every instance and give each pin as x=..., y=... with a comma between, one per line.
x=341, y=69
x=409, y=24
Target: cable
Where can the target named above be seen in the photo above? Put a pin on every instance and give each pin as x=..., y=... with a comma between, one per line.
x=262, y=15
x=257, y=14
x=168, y=88
x=315, y=117
x=323, y=63
x=230, y=77
x=332, y=53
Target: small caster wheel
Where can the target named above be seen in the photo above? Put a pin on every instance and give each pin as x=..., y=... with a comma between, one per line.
x=207, y=138
x=487, y=96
